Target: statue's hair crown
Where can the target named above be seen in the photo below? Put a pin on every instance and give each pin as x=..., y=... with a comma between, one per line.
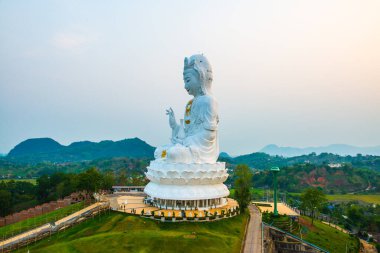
x=198, y=62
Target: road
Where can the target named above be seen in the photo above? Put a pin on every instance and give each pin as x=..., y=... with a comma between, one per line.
x=253, y=235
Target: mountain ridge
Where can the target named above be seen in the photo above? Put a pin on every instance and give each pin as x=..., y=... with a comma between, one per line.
x=339, y=149
x=47, y=149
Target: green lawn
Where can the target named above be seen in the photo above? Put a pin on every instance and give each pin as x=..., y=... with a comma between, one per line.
x=119, y=232
x=373, y=199
x=28, y=224
x=328, y=238
x=33, y=181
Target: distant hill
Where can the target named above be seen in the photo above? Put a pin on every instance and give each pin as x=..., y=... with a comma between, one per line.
x=339, y=149
x=49, y=150
x=35, y=146
x=224, y=155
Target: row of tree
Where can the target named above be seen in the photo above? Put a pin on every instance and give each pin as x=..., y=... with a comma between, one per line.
x=16, y=195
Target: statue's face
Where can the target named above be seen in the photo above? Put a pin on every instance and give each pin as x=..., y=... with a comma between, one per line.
x=192, y=82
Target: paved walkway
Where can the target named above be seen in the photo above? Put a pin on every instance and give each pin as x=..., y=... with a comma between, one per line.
x=253, y=235
x=127, y=203
x=281, y=207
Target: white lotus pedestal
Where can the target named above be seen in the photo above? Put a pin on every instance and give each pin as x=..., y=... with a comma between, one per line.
x=183, y=186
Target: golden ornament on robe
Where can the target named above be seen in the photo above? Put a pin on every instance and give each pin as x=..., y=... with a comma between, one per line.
x=188, y=107
x=163, y=154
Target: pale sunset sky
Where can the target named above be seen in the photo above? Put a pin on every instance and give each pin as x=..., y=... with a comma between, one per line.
x=292, y=73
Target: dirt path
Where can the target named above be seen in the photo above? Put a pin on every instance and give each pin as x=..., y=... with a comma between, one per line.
x=367, y=248
x=253, y=234
x=336, y=227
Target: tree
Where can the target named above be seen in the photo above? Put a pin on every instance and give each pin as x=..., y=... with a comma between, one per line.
x=313, y=199
x=43, y=187
x=243, y=185
x=108, y=180
x=121, y=179
x=5, y=202
x=91, y=180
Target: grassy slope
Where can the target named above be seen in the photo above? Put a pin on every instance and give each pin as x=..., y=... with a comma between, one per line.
x=24, y=225
x=327, y=237
x=119, y=232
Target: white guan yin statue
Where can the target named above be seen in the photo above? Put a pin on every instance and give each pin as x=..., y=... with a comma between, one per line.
x=185, y=173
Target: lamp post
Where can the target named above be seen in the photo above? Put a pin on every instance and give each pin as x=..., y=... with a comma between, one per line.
x=275, y=170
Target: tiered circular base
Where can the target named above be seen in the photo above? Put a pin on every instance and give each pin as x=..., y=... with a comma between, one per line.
x=186, y=174
x=186, y=186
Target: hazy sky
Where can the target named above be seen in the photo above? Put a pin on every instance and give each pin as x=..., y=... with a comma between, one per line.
x=294, y=73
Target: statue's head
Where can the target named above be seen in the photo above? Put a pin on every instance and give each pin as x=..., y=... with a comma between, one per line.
x=197, y=75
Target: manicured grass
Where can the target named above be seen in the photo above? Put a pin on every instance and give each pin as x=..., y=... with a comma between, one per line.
x=373, y=199
x=28, y=224
x=327, y=237
x=32, y=181
x=119, y=232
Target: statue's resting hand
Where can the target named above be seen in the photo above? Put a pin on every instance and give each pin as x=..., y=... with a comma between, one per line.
x=172, y=122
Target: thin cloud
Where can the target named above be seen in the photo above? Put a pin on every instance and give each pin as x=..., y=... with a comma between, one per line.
x=69, y=41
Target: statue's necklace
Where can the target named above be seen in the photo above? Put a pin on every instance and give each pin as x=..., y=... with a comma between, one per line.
x=188, y=110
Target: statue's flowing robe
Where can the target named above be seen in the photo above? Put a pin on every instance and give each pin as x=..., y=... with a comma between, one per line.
x=201, y=129
x=200, y=137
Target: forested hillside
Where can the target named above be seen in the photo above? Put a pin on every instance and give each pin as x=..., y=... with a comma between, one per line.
x=48, y=150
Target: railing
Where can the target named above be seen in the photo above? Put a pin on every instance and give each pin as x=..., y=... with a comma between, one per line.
x=262, y=233
x=50, y=228
x=296, y=237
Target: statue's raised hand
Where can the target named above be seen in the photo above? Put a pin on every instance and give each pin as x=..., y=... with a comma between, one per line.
x=172, y=121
